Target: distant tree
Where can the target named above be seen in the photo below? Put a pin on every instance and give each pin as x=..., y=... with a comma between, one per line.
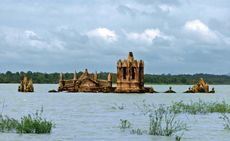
x=38, y=77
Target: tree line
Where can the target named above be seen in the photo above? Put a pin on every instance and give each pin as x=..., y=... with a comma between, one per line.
x=53, y=78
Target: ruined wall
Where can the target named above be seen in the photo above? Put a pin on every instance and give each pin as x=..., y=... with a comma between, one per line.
x=130, y=75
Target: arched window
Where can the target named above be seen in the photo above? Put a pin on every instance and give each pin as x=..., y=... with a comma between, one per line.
x=124, y=72
x=133, y=72
x=140, y=73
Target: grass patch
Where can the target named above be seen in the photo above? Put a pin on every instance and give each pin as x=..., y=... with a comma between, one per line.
x=27, y=124
x=200, y=107
x=7, y=124
x=138, y=131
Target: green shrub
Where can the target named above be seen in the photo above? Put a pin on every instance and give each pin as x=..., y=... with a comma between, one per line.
x=28, y=124
x=163, y=122
x=7, y=124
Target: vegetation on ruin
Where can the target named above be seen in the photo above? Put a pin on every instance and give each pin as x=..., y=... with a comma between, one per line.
x=52, y=78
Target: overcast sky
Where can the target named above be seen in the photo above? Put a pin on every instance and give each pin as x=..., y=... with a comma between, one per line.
x=171, y=36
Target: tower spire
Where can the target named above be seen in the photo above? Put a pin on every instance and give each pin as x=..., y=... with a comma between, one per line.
x=130, y=56
x=75, y=75
x=61, y=77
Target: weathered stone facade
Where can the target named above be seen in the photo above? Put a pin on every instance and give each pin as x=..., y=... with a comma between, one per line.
x=130, y=79
x=85, y=83
x=200, y=87
x=26, y=85
x=130, y=76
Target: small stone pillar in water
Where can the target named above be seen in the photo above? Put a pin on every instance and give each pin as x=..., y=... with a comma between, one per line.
x=26, y=85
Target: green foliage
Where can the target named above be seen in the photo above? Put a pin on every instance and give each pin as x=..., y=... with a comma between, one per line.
x=7, y=124
x=186, y=79
x=137, y=131
x=36, y=125
x=200, y=107
x=124, y=124
x=178, y=138
x=163, y=122
x=226, y=120
x=38, y=77
x=28, y=124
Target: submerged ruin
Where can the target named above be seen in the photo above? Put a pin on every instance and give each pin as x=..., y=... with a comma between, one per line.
x=170, y=90
x=26, y=85
x=85, y=83
x=200, y=87
x=130, y=79
x=130, y=76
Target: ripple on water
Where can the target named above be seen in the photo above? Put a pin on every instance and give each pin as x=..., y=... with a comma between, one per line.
x=96, y=116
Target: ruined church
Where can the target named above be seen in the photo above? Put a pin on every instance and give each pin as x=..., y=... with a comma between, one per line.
x=130, y=79
x=85, y=83
x=130, y=76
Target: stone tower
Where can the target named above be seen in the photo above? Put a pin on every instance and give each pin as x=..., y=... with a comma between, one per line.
x=130, y=75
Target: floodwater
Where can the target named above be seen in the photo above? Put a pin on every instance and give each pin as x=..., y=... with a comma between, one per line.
x=96, y=116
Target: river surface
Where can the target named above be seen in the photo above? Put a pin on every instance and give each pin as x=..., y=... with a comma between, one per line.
x=96, y=116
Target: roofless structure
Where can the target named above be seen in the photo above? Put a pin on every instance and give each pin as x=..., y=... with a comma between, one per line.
x=130, y=76
x=130, y=79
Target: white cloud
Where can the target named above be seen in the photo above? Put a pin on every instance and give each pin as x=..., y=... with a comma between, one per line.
x=30, y=34
x=227, y=40
x=29, y=40
x=166, y=8
x=199, y=28
x=103, y=33
x=147, y=36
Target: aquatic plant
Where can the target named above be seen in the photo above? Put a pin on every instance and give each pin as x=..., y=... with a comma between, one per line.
x=7, y=124
x=226, y=120
x=119, y=107
x=200, y=107
x=28, y=124
x=124, y=124
x=164, y=122
x=178, y=138
x=194, y=107
x=138, y=131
